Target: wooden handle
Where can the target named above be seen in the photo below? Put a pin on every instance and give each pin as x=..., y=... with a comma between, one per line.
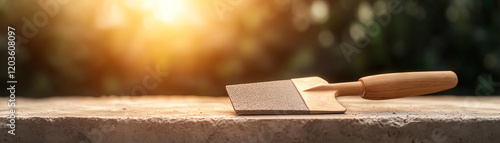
x=397, y=85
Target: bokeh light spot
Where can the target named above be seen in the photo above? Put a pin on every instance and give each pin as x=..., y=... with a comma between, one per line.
x=325, y=38
x=357, y=31
x=319, y=11
x=365, y=12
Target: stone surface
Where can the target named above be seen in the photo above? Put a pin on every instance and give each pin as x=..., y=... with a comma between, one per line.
x=212, y=119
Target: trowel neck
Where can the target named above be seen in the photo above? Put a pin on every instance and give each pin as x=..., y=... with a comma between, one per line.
x=343, y=89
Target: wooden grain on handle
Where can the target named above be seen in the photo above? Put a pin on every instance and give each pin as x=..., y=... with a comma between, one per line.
x=397, y=85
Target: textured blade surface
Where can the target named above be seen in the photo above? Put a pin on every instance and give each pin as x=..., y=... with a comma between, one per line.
x=274, y=97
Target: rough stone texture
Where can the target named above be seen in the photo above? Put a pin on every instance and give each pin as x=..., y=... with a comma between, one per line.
x=212, y=119
x=273, y=97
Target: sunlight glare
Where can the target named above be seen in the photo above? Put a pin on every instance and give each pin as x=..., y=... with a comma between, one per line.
x=169, y=10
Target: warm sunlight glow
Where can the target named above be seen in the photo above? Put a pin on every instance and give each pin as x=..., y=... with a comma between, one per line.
x=169, y=10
